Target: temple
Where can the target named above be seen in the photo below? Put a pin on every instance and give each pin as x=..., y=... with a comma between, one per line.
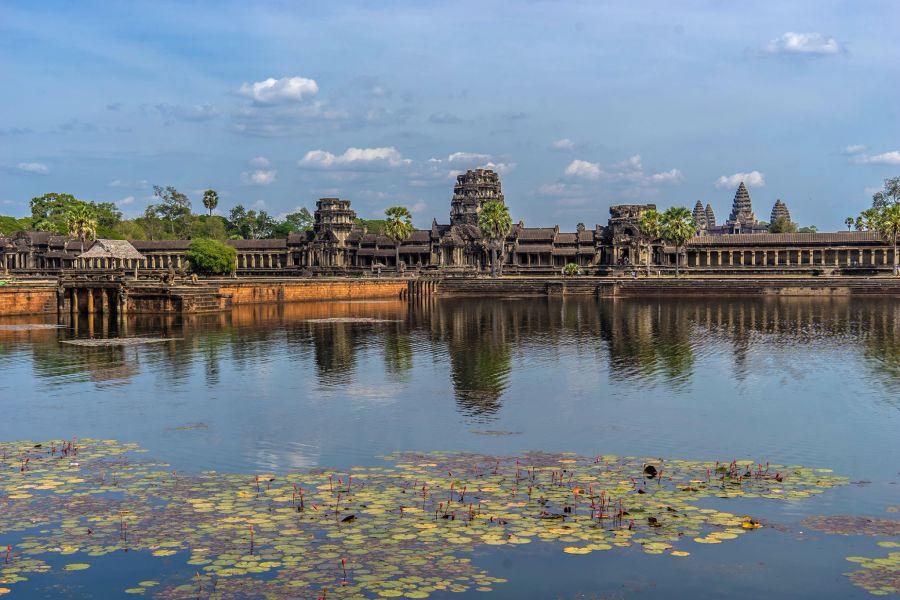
x=337, y=245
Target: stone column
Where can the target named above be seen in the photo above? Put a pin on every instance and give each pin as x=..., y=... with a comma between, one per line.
x=90, y=301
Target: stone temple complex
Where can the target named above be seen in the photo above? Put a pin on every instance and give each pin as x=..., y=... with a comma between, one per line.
x=336, y=245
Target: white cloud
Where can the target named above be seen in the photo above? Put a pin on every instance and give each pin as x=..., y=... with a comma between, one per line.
x=804, y=43
x=354, y=158
x=258, y=177
x=854, y=149
x=419, y=206
x=885, y=158
x=671, y=176
x=125, y=201
x=260, y=161
x=258, y=205
x=33, y=167
x=583, y=169
x=500, y=167
x=275, y=91
x=754, y=178
x=563, y=144
x=468, y=157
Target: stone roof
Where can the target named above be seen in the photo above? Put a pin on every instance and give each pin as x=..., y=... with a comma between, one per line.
x=536, y=233
x=586, y=236
x=775, y=239
x=118, y=249
x=567, y=238
x=161, y=245
x=780, y=211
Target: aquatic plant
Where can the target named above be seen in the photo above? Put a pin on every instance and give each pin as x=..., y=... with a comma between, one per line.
x=402, y=529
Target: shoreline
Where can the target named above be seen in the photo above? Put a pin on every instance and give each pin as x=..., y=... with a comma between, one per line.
x=113, y=297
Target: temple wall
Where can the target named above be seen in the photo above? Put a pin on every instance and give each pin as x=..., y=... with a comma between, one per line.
x=27, y=298
x=305, y=290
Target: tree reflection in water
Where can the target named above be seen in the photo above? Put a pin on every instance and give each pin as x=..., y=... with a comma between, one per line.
x=640, y=340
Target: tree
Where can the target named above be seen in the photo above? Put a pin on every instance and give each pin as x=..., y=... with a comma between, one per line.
x=398, y=227
x=782, y=225
x=677, y=228
x=82, y=223
x=495, y=223
x=651, y=227
x=210, y=200
x=211, y=257
x=375, y=226
x=570, y=270
x=889, y=194
x=808, y=229
x=849, y=221
x=208, y=226
x=174, y=209
x=302, y=220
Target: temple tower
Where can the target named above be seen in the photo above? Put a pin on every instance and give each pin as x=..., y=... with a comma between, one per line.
x=710, y=217
x=473, y=188
x=742, y=208
x=780, y=211
x=334, y=215
x=700, y=216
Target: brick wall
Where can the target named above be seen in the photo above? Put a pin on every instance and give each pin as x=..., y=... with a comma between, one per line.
x=256, y=293
x=26, y=299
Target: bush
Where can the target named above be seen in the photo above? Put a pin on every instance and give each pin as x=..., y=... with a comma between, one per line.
x=211, y=256
x=570, y=270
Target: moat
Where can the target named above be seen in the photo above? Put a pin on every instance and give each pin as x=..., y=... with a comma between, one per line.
x=276, y=388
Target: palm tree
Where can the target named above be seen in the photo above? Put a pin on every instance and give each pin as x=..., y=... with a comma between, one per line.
x=210, y=200
x=888, y=227
x=678, y=227
x=495, y=223
x=398, y=227
x=849, y=222
x=651, y=226
x=82, y=223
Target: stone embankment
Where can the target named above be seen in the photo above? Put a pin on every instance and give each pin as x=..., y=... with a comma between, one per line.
x=211, y=295
x=684, y=286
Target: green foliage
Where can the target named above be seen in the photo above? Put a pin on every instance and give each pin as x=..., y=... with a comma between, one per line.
x=398, y=225
x=129, y=230
x=888, y=195
x=782, y=225
x=372, y=225
x=210, y=200
x=10, y=225
x=81, y=222
x=808, y=229
x=173, y=210
x=50, y=212
x=570, y=270
x=211, y=256
x=849, y=222
x=495, y=223
x=208, y=226
x=677, y=228
x=302, y=220
x=249, y=224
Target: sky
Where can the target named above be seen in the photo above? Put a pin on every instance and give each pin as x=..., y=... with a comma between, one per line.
x=578, y=105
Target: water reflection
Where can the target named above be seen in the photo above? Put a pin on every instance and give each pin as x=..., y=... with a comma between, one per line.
x=477, y=343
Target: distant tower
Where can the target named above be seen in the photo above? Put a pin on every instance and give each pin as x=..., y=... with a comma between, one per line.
x=780, y=211
x=742, y=208
x=710, y=217
x=335, y=215
x=473, y=188
x=700, y=216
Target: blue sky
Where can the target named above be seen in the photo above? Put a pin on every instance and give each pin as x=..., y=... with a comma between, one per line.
x=579, y=105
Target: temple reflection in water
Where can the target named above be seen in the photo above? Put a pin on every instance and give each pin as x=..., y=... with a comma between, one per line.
x=474, y=342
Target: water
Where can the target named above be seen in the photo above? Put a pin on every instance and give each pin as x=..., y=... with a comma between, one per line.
x=274, y=388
